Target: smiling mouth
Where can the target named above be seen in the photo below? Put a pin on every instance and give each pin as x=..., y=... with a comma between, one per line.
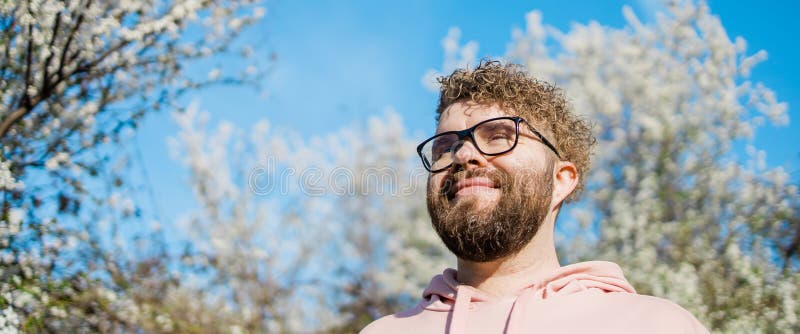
x=470, y=186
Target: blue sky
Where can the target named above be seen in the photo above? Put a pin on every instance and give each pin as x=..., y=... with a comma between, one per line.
x=341, y=61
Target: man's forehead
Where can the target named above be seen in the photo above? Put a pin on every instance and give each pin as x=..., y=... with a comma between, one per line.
x=464, y=114
x=461, y=115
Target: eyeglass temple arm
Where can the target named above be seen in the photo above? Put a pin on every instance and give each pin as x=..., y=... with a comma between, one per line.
x=544, y=140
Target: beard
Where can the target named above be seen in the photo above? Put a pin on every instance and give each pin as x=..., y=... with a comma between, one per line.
x=482, y=234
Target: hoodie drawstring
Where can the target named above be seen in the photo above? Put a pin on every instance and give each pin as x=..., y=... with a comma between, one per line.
x=463, y=300
x=458, y=322
x=518, y=308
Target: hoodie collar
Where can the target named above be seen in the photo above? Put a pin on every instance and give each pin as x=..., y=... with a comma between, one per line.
x=444, y=293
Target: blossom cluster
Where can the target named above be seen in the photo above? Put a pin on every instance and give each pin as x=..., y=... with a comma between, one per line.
x=76, y=77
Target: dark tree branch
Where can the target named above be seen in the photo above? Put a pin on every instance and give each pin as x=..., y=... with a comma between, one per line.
x=70, y=38
x=26, y=98
x=46, y=66
x=793, y=247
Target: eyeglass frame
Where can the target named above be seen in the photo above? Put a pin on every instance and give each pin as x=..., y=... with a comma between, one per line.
x=469, y=133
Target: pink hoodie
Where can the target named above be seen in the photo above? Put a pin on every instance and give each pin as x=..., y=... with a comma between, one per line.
x=579, y=298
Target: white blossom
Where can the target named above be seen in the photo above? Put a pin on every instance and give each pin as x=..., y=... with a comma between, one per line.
x=455, y=56
x=57, y=161
x=7, y=180
x=9, y=321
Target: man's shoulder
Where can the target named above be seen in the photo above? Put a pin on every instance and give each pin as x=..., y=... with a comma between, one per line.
x=650, y=311
x=400, y=322
x=386, y=324
x=633, y=301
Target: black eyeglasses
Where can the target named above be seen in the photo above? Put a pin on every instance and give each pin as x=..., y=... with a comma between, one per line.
x=493, y=136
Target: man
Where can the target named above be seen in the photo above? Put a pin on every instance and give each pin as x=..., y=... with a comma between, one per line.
x=507, y=153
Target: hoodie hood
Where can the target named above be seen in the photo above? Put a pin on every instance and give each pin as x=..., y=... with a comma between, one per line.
x=444, y=293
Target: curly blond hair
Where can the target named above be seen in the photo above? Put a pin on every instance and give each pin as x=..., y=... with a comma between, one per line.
x=542, y=104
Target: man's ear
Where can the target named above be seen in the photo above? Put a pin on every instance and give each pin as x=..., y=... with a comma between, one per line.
x=565, y=179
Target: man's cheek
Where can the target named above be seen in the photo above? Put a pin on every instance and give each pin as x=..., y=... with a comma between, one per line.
x=429, y=185
x=434, y=183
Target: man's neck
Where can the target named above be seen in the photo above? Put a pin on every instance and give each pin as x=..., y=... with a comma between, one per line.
x=506, y=276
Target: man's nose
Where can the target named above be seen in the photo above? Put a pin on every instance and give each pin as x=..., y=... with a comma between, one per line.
x=466, y=155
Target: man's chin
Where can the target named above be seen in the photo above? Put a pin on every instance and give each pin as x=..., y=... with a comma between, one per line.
x=476, y=201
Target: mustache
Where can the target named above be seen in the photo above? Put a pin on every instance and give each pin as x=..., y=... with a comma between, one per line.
x=499, y=179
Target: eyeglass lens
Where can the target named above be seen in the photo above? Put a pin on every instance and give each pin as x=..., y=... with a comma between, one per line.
x=492, y=137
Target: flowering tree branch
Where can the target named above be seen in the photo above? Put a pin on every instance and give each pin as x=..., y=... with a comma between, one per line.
x=76, y=77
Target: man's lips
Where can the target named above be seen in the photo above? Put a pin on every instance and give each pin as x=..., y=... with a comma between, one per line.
x=473, y=184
